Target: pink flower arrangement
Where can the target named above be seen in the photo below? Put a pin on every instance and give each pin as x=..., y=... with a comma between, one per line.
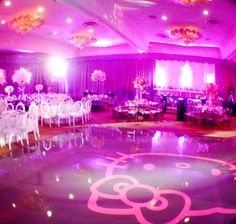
x=22, y=76
x=140, y=82
x=39, y=87
x=98, y=75
x=2, y=76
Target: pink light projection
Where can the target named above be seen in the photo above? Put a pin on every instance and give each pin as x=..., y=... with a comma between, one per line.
x=210, y=78
x=186, y=76
x=183, y=165
x=182, y=74
x=116, y=187
x=160, y=78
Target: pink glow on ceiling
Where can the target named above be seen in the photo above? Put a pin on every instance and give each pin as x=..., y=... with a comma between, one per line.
x=102, y=43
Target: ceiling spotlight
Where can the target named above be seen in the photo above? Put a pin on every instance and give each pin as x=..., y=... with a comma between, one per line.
x=55, y=33
x=205, y=12
x=7, y=3
x=3, y=22
x=69, y=20
x=40, y=9
x=164, y=18
x=89, y=24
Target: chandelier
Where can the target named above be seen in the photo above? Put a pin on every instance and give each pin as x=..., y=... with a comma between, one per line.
x=190, y=2
x=25, y=23
x=82, y=40
x=186, y=34
x=85, y=36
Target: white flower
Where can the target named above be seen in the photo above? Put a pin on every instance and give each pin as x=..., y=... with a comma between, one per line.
x=98, y=75
x=22, y=76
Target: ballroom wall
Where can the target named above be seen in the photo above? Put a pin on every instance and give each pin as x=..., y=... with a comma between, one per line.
x=121, y=71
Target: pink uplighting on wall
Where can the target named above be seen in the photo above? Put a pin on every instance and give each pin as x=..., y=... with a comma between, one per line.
x=210, y=78
x=186, y=76
x=181, y=74
x=160, y=78
x=58, y=67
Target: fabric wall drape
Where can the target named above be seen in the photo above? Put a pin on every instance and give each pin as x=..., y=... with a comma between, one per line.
x=36, y=63
x=121, y=71
x=120, y=74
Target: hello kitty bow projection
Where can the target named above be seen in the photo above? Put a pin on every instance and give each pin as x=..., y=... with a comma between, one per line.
x=163, y=197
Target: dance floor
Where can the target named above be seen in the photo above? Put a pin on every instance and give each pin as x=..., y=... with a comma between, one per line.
x=109, y=175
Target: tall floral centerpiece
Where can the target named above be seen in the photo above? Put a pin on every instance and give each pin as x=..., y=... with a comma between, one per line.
x=139, y=84
x=212, y=93
x=2, y=77
x=98, y=76
x=39, y=88
x=22, y=77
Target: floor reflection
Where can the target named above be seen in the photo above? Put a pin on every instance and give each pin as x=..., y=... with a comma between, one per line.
x=110, y=175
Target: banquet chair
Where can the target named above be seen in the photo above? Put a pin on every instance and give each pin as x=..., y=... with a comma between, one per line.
x=2, y=137
x=63, y=112
x=10, y=107
x=33, y=120
x=20, y=107
x=88, y=107
x=77, y=112
x=15, y=129
x=3, y=105
x=47, y=112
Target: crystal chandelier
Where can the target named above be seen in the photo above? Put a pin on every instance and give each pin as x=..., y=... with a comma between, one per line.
x=190, y=2
x=82, y=40
x=85, y=36
x=25, y=23
x=186, y=34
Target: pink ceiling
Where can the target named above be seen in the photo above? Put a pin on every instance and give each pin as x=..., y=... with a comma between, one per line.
x=124, y=26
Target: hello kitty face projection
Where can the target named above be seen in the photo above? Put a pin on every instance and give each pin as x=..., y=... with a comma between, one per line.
x=159, y=194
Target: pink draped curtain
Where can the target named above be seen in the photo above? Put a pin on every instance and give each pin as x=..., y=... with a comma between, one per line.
x=120, y=74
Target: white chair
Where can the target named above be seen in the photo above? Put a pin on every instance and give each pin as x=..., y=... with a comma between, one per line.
x=64, y=110
x=10, y=106
x=87, y=110
x=15, y=130
x=32, y=121
x=47, y=112
x=20, y=107
x=2, y=137
x=3, y=105
x=77, y=112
